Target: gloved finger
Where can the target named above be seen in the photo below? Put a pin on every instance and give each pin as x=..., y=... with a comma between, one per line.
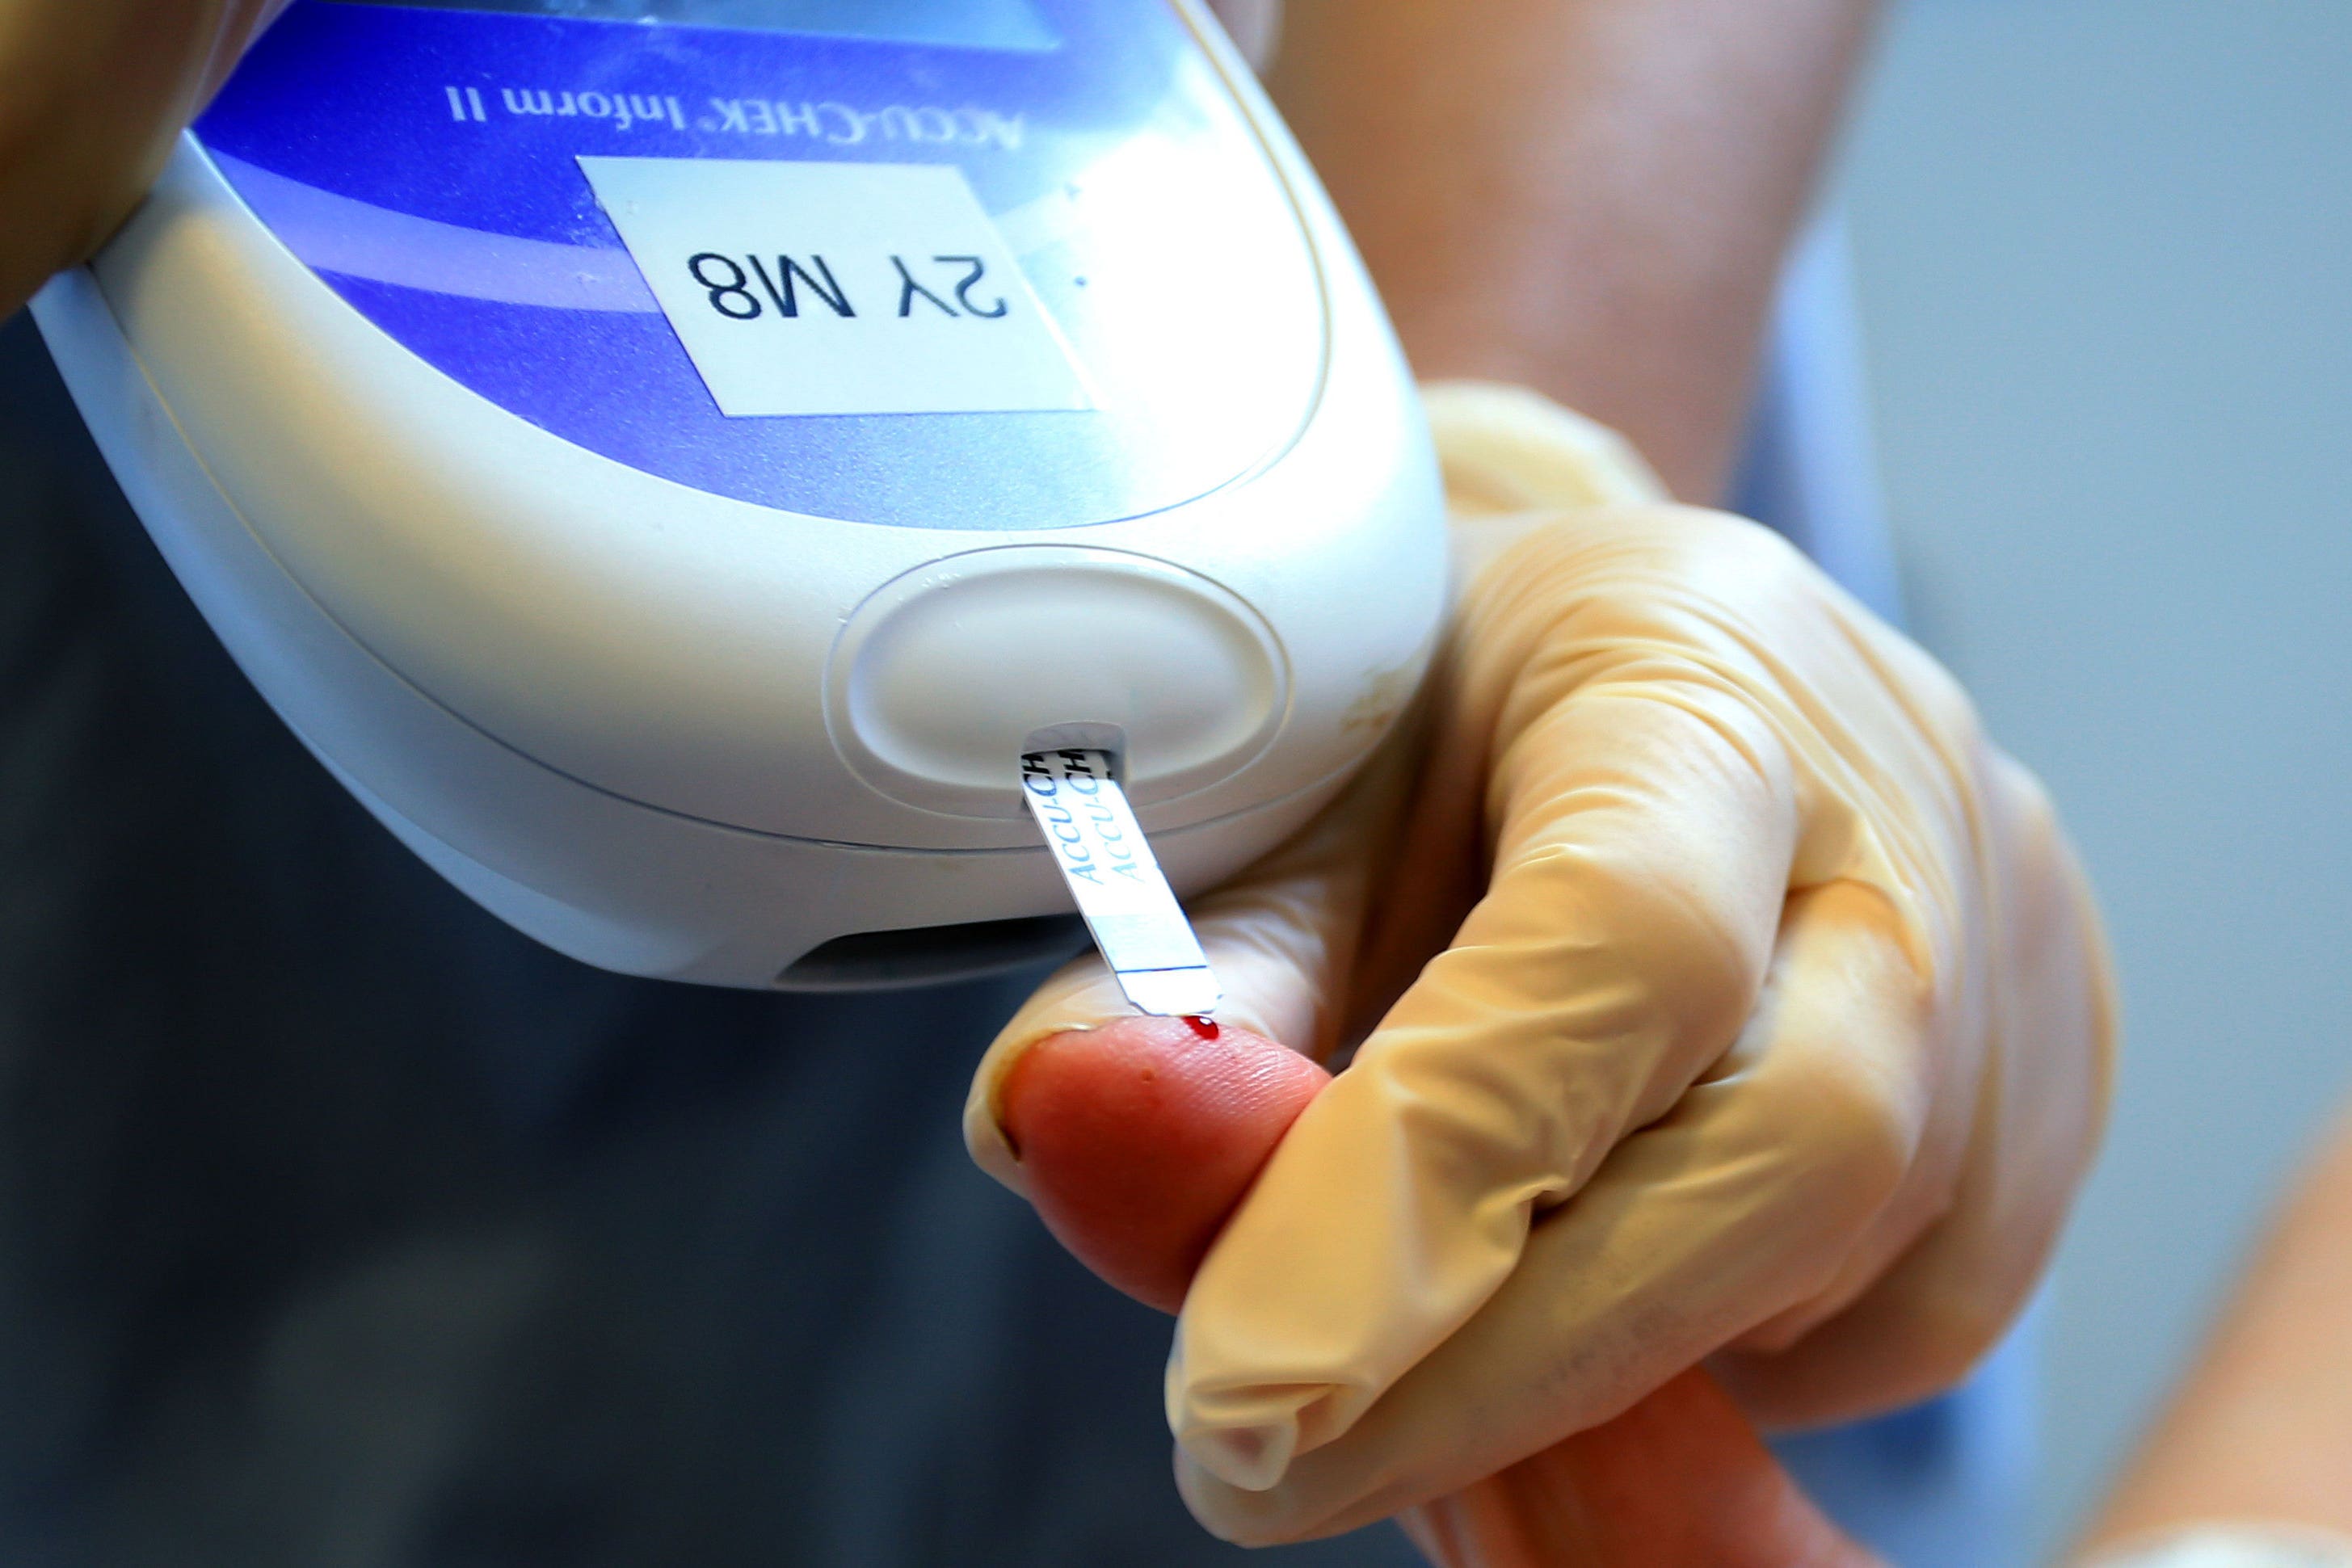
x=1509, y=451
x=1932, y=1314
x=1139, y=1138
x=1514, y=462
x=1747, y=1199
x=1875, y=981
x=1281, y=938
x=1640, y=877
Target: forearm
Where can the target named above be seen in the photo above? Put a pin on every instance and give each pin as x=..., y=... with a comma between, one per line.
x=2262, y=1430
x=1590, y=197
x=91, y=93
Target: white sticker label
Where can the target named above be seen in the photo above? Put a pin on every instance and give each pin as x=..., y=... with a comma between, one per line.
x=812, y=289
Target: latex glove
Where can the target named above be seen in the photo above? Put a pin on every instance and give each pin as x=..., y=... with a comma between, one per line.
x=1747, y=1004
x=92, y=93
x=1137, y=1142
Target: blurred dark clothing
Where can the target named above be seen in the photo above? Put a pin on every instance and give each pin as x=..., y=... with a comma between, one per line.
x=342, y=1227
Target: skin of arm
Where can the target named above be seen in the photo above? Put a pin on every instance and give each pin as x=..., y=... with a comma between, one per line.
x=2263, y=1428
x=1588, y=197
x=92, y=94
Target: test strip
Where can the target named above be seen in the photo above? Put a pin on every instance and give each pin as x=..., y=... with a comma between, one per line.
x=1127, y=904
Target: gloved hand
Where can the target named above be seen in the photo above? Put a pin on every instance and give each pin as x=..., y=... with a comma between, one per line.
x=92, y=94
x=1136, y=1141
x=1734, y=999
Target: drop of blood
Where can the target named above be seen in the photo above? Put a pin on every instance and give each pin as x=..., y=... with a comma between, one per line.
x=1205, y=1028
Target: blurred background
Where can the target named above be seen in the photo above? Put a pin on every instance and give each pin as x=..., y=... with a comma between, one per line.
x=2102, y=249
x=2103, y=254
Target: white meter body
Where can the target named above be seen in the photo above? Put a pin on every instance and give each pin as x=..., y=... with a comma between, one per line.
x=670, y=459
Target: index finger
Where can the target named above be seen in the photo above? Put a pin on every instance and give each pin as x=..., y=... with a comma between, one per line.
x=1641, y=873
x=1663, y=703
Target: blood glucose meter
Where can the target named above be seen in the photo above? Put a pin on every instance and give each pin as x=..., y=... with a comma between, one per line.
x=671, y=459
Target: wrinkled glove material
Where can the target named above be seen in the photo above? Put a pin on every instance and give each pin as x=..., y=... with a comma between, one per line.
x=1722, y=992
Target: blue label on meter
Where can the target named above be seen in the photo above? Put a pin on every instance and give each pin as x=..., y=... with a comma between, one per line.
x=969, y=23
x=1093, y=301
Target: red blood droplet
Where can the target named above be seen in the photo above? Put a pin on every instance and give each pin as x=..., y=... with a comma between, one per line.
x=1205, y=1028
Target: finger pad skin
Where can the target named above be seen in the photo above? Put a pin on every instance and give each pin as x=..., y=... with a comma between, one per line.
x=1137, y=1140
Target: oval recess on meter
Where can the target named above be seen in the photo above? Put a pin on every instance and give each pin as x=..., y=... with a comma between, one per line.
x=939, y=678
